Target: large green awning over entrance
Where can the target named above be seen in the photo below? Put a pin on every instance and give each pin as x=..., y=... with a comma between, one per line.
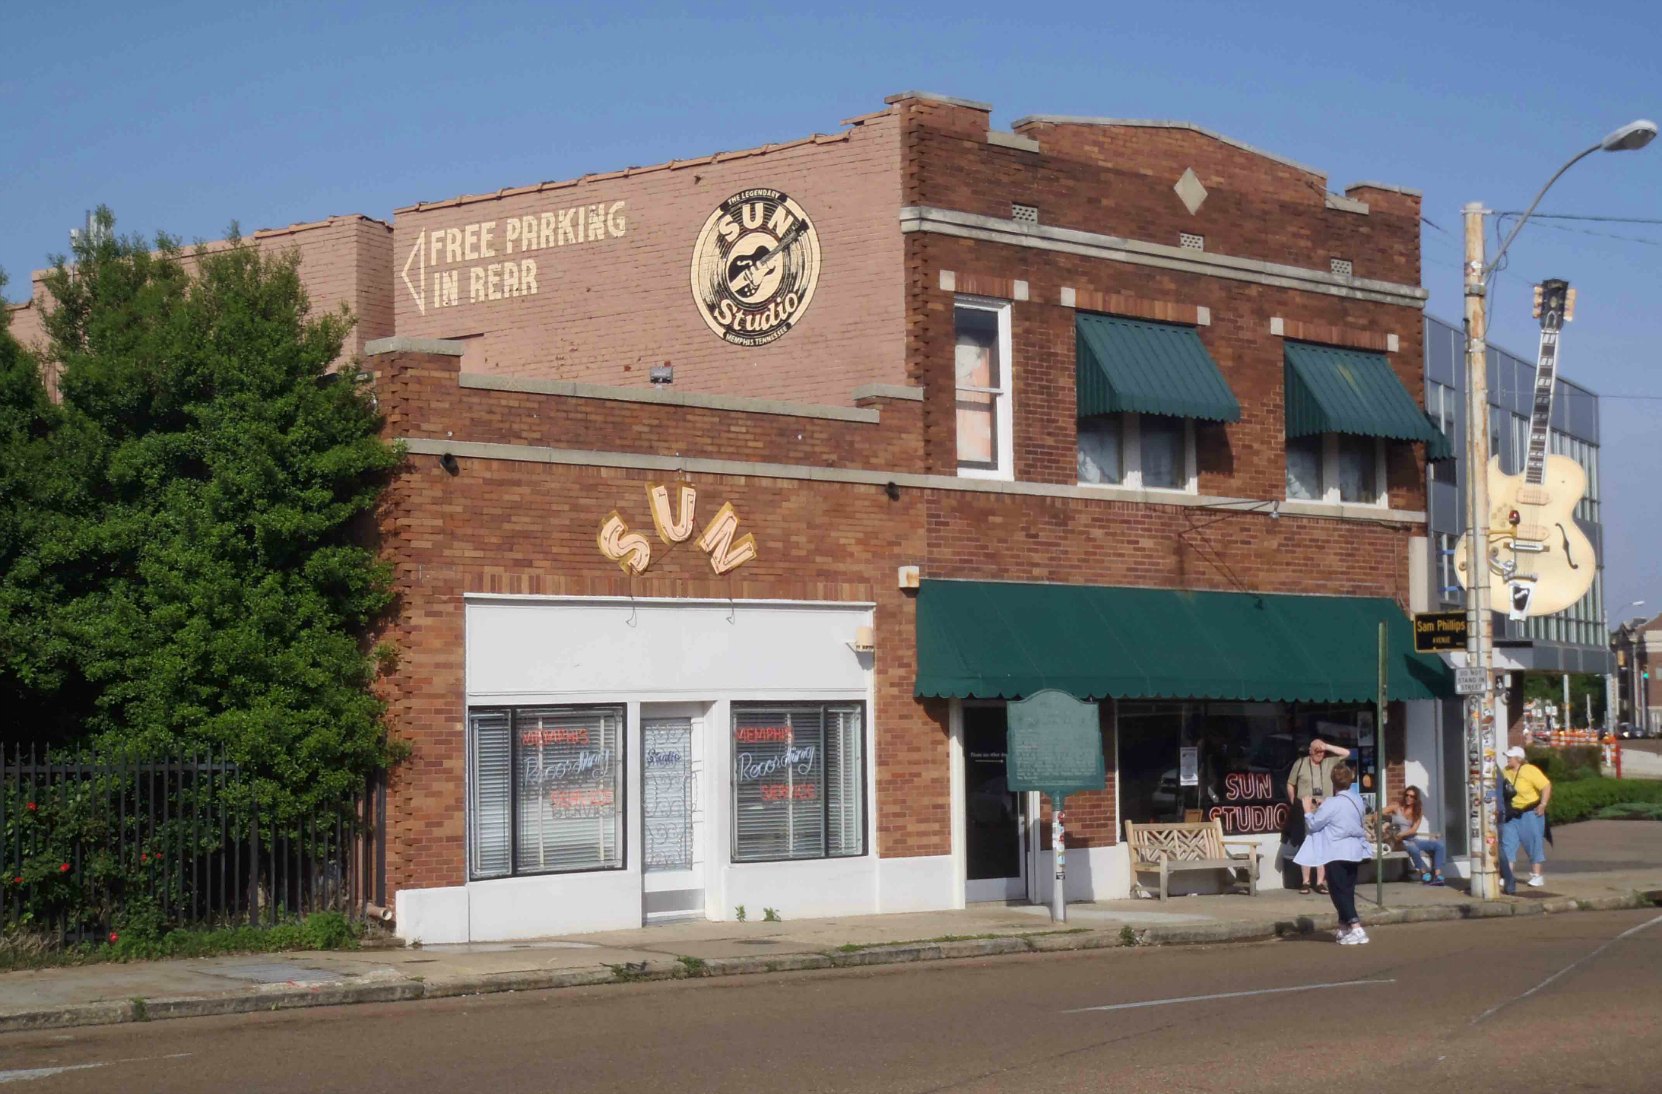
x=1142, y=367
x=1331, y=390
x=988, y=640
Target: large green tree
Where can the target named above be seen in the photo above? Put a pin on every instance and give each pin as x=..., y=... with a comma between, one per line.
x=193, y=566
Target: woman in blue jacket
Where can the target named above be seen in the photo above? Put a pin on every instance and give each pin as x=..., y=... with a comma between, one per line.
x=1336, y=838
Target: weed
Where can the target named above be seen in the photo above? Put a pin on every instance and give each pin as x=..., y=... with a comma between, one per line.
x=1128, y=937
x=771, y=915
x=738, y=913
x=628, y=971
x=691, y=966
x=141, y=1011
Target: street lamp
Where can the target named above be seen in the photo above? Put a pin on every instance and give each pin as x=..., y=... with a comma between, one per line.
x=1479, y=642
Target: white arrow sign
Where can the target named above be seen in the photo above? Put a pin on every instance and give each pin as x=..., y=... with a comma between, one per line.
x=418, y=288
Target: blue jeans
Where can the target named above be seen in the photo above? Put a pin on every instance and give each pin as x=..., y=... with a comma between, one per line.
x=1528, y=830
x=1436, y=848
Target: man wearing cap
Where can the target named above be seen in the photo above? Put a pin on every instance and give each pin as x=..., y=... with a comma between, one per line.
x=1528, y=792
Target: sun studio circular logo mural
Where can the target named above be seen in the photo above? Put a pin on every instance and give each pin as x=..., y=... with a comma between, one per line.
x=754, y=267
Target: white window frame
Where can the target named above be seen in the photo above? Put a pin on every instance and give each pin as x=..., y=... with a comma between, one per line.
x=1330, y=475
x=1003, y=395
x=1131, y=459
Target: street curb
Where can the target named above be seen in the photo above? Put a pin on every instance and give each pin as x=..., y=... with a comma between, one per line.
x=393, y=987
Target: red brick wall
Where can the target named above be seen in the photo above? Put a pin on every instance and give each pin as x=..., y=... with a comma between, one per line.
x=510, y=527
x=606, y=310
x=502, y=526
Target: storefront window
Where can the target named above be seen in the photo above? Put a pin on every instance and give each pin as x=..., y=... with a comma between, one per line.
x=798, y=781
x=545, y=790
x=1244, y=752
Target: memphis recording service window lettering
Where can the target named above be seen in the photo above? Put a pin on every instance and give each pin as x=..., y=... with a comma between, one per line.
x=545, y=792
x=798, y=781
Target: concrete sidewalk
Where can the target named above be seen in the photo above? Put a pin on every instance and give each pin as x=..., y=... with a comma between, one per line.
x=1597, y=865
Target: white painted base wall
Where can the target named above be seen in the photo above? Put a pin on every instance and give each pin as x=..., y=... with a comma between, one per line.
x=538, y=907
x=1094, y=873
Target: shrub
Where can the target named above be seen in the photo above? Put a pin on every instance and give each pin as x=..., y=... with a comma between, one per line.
x=1631, y=811
x=1582, y=798
x=1568, y=764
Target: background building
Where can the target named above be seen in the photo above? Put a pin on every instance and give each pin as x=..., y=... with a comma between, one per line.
x=1637, y=646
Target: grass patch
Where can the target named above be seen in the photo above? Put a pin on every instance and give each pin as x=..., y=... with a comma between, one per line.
x=321, y=931
x=1581, y=799
x=692, y=966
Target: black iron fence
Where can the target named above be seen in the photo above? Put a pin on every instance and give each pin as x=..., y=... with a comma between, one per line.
x=91, y=843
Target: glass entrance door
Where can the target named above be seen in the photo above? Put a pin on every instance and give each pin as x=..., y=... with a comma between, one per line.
x=671, y=821
x=995, y=867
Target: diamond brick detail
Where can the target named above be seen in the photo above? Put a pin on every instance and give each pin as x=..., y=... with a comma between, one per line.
x=1190, y=191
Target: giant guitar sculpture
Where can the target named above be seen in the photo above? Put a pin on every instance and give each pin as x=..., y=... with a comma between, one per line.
x=1539, y=561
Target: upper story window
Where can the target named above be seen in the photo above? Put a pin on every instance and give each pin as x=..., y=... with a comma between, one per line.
x=1147, y=451
x=1141, y=386
x=1342, y=406
x=982, y=367
x=1336, y=467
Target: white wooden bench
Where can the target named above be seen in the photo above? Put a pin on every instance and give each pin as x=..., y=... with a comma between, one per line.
x=1167, y=849
x=1389, y=862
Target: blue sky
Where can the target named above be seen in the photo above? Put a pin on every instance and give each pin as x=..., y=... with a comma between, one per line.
x=186, y=116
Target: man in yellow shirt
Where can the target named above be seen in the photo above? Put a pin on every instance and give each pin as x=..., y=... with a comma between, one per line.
x=1528, y=791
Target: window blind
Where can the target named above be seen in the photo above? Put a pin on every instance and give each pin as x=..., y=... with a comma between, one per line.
x=545, y=790
x=798, y=782
x=491, y=810
x=570, y=792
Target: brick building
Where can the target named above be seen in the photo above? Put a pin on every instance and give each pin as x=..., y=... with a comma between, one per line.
x=745, y=490
x=1637, y=680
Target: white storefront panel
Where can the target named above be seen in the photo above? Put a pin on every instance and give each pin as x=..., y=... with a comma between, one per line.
x=775, y=669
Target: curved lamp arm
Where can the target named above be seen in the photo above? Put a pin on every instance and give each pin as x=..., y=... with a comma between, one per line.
x=1516, y=228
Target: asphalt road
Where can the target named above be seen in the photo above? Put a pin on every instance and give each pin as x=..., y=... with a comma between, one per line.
x=1543, y=1003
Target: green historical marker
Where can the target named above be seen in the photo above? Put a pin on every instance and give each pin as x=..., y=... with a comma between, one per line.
x=1055, y=748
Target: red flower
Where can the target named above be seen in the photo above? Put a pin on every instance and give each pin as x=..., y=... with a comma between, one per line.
x=64, y=869
x=114, y=937
x=32, y=807
x=144, y=858
x=17, y=881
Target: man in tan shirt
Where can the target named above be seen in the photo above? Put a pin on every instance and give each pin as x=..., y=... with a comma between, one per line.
x=1312, y=777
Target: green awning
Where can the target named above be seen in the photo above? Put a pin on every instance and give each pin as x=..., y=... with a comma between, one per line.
x=1142, y=367
x=1439, y=447
x=987, y=640
x=1332, y=390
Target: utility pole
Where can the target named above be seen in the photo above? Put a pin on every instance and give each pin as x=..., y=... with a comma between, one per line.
x=1480, y=749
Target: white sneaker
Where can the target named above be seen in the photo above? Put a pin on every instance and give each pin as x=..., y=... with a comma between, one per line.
x=1357, y=937
x=1536, y=881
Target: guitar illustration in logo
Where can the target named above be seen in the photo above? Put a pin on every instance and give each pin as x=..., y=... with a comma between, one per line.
x=1539, y=560
x=756, y=272
x=755, y=267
